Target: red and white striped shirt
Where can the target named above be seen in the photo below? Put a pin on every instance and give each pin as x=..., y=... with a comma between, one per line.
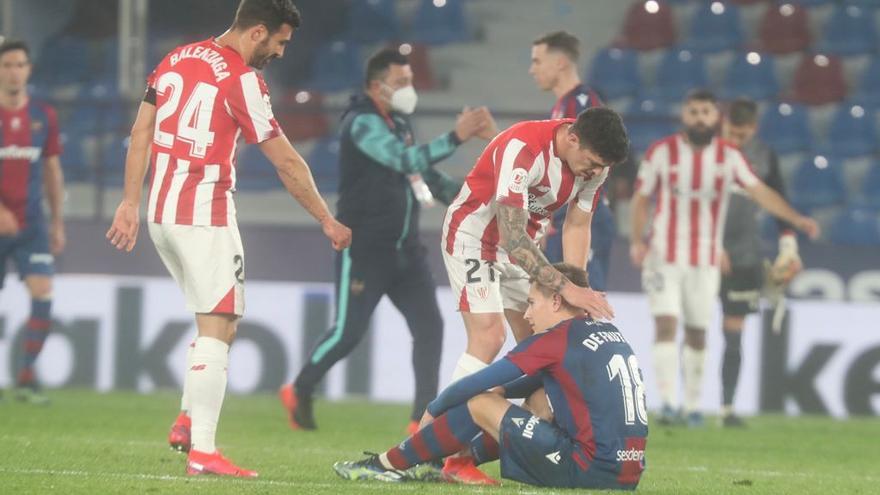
x=518, y=168
x=206, y=96
x=693, y=189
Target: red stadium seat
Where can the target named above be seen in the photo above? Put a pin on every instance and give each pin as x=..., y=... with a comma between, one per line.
x=648, y=25
x=420, y=62
x=785, y=29
x=301, y=115
x=819, y=80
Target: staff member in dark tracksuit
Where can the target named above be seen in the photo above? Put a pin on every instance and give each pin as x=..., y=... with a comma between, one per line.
x=385, y=177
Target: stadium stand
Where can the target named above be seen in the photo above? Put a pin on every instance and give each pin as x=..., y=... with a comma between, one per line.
x=785, y=28
x=817, y=183
x=819, y=80
x=715, y=27
x=648, y=25
x=850, y=31
x=614, y=72
x=752, y=75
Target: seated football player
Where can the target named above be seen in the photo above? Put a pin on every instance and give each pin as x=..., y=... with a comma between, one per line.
x=591, y=434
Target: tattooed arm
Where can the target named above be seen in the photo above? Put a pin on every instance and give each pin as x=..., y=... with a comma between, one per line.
x=512, y=222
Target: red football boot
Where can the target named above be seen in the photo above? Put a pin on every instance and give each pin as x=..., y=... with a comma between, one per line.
x=179, y=436
x=463, y=470
x=201, y=463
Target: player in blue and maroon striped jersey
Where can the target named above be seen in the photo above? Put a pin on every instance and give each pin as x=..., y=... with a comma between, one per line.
x=29, y=164
x=590, y=432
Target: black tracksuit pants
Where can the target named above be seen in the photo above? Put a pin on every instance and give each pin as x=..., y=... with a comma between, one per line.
x=362, y=278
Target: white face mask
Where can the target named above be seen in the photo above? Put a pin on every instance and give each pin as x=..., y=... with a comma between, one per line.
x=404, y=100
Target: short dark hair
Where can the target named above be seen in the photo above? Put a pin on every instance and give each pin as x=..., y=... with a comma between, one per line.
x=270, y=13
x=561, y=41
x=378, y=64
x=601, y=129
x=742, y=111
x=12, y=45
x=575, y=275
x=700, y=94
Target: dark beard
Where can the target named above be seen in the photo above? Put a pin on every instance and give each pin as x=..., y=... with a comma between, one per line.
x=700, y=136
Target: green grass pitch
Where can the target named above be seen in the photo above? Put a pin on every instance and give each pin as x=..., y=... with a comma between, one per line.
x=115, y=443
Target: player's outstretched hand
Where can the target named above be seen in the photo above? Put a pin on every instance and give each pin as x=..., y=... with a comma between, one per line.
x=339, y=235
x=8, y=223
x=469, y=123
x=637, y=252
x=490, y=129
x=808, y=226
x=594, y=303
x=124, y=230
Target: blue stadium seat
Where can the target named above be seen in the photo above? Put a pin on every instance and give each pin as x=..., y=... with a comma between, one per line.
x=647, y=120
x=324, y=161
x=63, y=61
x=753, y=75
x=871, y=188
x=856, y=227
x=869, y=86
x=373, y=21
x=253, y=171
x=337, y=67
x=113, y=148
x=849, y=31
x=615, y=73
x=680, y=71
x=785, y=127
x=852, y=132
x=76, y=161
x=438, y=22
x=817, y=183
x=715, y=27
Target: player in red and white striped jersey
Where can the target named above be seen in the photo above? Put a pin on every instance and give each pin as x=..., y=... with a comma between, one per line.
x=691, y=174
x=492, y=229
x=199, y=100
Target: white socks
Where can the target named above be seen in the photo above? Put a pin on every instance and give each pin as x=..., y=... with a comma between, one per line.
x=184, y=398
x=207, y=386
x=467, y=365
x=693, y=360
x=666, y=367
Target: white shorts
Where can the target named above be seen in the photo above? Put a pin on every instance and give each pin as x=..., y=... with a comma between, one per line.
x=487, y=286
x=206, y=262
x=673, y=290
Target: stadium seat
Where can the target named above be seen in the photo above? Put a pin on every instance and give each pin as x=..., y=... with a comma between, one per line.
x=648, y=25
x=301, y=115
x=753, y=75
x=615, y=73
x=420, y=62
x=871, y=188
x=76, y=159
x=647, y=120
x=253, y=171
x=850, y=31
x=868, y=93
x=64, y=60
x=856, y=227
x=715, y=27
x=438, y=22
x=817, y=183
x=852, y=132
x=337, y=67
x=784, y=28
x=680, y=71
x=324, y=161
x=819, y=80
x=373, y=21
x=112, y=148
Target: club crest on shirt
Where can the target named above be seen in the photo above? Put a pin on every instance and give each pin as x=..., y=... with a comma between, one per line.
x=582, y=99
x=518, y=181
x=357, y=287
x=36, y=126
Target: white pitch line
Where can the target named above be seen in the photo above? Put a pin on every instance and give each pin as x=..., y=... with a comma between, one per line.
x=203, y=479
x=764, y=472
